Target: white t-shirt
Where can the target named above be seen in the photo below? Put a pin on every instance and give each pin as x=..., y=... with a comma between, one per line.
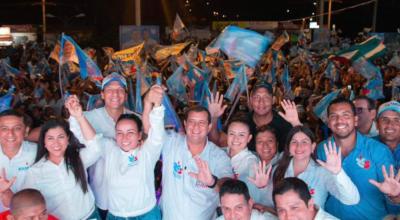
x=184, y=197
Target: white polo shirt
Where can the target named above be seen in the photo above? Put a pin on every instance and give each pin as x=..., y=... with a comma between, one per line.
x=322, y=215
x=64, y=196
x=321, y=182
x=184, y=197
x=130, y=175
x=102, y=124
x=18, y=166
x=256, y=215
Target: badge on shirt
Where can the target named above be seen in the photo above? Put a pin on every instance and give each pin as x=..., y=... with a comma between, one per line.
x=24, y=168
x=132, y=160
x=363, y=163
x=177, y=169
x=312, y=192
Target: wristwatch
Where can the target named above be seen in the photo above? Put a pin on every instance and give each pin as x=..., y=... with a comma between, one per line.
x=215, y=182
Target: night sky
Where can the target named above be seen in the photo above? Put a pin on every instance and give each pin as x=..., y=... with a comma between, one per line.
x=104, y=16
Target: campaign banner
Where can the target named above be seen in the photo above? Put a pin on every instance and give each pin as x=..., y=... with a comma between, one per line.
x=132, y=35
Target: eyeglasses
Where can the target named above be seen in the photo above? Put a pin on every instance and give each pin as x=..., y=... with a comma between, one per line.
x=360, y=110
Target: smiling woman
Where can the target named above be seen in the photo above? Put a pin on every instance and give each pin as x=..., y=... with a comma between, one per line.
x=60, y=174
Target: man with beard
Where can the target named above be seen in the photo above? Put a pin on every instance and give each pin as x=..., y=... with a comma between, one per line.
x=363, y=159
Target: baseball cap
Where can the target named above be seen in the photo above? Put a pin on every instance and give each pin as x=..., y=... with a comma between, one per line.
x=114, y=76
x=262, y=84
x=389, y=106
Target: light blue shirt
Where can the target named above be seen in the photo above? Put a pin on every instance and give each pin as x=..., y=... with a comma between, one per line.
x=364, y=162
x=183, y=196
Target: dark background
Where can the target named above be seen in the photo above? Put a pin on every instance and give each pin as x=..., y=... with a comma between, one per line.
x=104, y=16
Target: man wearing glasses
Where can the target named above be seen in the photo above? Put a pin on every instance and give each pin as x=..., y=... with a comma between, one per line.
x=366, y=113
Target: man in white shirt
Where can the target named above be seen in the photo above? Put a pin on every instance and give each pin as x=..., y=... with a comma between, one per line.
x=193, y=167
x=16, y=155
x=236, y=203
x=293, y=201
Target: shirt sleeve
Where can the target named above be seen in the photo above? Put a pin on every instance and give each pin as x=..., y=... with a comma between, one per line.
x=93, y=150
x=157, y=134
x=76, y=129
x=342, y=188
x=223, y=167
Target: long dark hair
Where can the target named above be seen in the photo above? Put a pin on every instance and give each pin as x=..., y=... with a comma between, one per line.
x=284, y=162
x=72, y=159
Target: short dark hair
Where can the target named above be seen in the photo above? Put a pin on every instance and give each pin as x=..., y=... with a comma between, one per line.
x=233, y=186
x=265, y=128
x=342, y=100
x=11, y=112
x=133, y=118
x=295, y=184
x=26, y=198
x=198, y=108
x=371, y=102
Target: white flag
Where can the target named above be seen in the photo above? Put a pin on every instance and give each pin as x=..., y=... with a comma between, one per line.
x=178, y=24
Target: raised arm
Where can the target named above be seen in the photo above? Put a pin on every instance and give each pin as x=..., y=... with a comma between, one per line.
x=291, y=115
x=216, y=109
x=75, y=110
x=152, y=99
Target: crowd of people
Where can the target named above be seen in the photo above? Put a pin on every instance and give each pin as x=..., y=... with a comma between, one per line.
x=263, y=155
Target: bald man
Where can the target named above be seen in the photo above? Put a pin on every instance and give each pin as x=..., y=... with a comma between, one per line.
x=27, y=204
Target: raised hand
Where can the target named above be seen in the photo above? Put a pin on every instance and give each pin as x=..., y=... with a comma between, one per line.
x=333, y=156
x=215, y=105
x=391, y=184
x=73, y=106
x=291, y=115
x=262, y=175
x=204, y=175
x=154, y=96
x=5, y=184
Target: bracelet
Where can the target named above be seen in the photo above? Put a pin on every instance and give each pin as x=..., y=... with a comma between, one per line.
x=215, y=182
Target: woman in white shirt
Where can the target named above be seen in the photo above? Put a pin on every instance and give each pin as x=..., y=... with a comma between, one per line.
x=59, y=172
x=242, y=159
x=323, y=178
x=129, y=165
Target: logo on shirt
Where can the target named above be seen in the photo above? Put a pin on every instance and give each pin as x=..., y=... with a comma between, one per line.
x=363, y=163
x=178, y=170
x=24, y=168
x=235, y=174
x=312, y=192
x=132, y=160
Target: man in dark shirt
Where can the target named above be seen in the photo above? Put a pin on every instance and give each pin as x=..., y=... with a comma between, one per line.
x=261, y=103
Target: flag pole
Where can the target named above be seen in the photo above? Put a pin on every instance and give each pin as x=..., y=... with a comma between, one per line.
x=60, y=63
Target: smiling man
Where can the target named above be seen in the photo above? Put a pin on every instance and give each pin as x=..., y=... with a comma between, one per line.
x=16, y=155
x=193, y=168
x=363, y=159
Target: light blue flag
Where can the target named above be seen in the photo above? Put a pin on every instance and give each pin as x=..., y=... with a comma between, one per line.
x=285, y=79
x=41, y=68
x=7, y=69
x=139, y=86
x=171, y=119
x=94, y=101
x=88, y=67
x=198, y=77
x=365, y=68
x=331, y=73
x=6, y=100
x=175, y=85
x=374, y=87
x=320, y=109
x=131, y=97
x=238, y=85
x=245, y=45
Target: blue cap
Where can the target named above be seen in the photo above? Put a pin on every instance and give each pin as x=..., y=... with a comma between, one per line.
x=113, y=77
x=262, y=84
x=389, y=106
